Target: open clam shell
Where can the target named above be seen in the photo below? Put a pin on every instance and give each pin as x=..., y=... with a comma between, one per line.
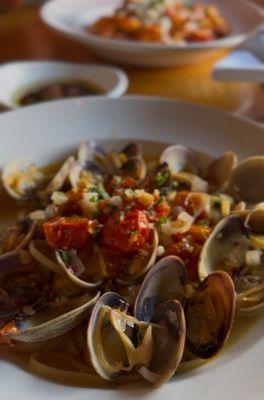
x=228, y=237
x=169, y=333
x=73, y=267
x=219, y=171
x=92, y=161
x=18, y=236
x=52, y=321
x=209, y=315
x=179, y=159
x=105, y=347
x=22, y=179
x=59, y=178
x=165, y=281
x=247, y=181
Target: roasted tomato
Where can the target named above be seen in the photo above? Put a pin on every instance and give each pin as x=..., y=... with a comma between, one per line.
x=68, y=232
x=188, y=246
x=161, y=208
x=189, y=252
x=126, y=232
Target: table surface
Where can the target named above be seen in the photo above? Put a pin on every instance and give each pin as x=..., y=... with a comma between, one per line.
x=24, y=36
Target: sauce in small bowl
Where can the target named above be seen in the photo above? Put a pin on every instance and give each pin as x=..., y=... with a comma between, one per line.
x=55, y=90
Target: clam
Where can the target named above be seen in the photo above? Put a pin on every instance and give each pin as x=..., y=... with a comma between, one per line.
x=90, y=166
x=119, y=342
x=165, y=281
x=209, y=315
x=134, y=167
x=59, y=178
x=180, y=159
x=247, y=181
x=133, y=164
x=210, y=304
x=73, y=267
x=102, y=338
x=24, y=283
x=22, y=180
x=169, y=333
x=18, y=236
x=219, y=171
x=236, y=246
x=225, y=247
x=50, y=322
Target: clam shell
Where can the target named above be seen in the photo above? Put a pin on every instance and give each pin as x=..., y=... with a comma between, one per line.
x=220, y=243
x=52, y=321
x=219, y=171
x=29, y=187
x=165, y=281
x=209, y=315
x=107, y=368
x=169, y=343
x=68, y=270
x=179, y=159
x=247, y=181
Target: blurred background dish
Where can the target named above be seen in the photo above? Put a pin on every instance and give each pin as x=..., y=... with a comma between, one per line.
x=72, y=19
x=246, y=63
x=28, y=82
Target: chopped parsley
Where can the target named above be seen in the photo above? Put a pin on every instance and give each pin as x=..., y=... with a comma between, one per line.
x=66, y=257
x=96, y=233
x=101, y=191
x=161, y=178
x=204, y=222
x=133, y=232
x=160, y=200
x=162, y=220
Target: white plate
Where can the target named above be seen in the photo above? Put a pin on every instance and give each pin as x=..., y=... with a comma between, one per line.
x=16, y=78
x=71, y=17
x=245, y=63
x=43, y=132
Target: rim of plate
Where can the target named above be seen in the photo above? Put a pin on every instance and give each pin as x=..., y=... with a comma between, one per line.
x=52, y=20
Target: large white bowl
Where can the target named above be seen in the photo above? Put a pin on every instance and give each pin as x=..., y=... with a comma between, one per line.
x=71, y=18
x=44, y=132
x=16, y=78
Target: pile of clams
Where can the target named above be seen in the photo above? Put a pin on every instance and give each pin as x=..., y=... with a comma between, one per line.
x=151, y=316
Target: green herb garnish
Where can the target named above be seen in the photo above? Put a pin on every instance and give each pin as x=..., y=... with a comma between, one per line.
x=65, y=255
x=133, y=232
x=161, y=178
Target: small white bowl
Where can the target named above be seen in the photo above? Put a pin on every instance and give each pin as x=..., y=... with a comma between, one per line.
x=17, y=78
x=72, y=17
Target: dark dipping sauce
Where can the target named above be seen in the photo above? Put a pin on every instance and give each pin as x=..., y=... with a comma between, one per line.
x=58, y=90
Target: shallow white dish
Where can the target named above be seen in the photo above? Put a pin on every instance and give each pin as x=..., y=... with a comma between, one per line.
x=246, y=63
x=45, y=132
x=71, y=17
x=16, y=78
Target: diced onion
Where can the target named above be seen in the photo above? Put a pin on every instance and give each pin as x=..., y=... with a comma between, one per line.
x=253, y=257
x=181, y=225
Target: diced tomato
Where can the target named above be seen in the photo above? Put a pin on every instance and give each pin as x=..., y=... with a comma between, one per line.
x=161, y=208
x=199, y=234
x=189, y=252
x=68, y=232
x=126, y=232
x=114, y=186
x=182, y=200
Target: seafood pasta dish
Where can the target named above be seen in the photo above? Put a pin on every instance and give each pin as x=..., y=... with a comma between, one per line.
x=122, y=268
